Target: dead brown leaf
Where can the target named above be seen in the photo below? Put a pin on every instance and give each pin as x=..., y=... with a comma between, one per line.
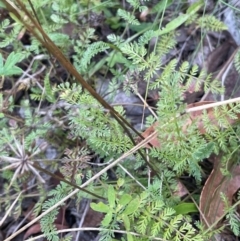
x=93, y=218
x=211, y=204
x=218, y=56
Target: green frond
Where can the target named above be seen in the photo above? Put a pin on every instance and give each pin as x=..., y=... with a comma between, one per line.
x=194, y=70
x=213, y=85
x=142, y=224
x=36, y=96
x=92, y=50
x=237, y=61
x=47, y=221
x=10, y=37
x=117, y=40
x=51, y=28
x=147, y=36
x=134, y=3
x=192, y=19
x=154, y=65
x=128, y=17
x=38, y=206
x=232, y=217
x=68, y=237
x=69, y=93
x=4, y=24
x=174, y=225
x=35, y=46
x=210, y=23
x=58, y=19
x=135, y=52
x=166, y=75
x=92, y=123
x=183, y=70
x=166, y=43
x=48, y=90
x=61, y=40
x=156, y=206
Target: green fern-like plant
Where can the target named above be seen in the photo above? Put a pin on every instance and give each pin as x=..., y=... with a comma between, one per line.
x=90, y=121
x=141, y=205
x=47, y=222
x=145, y=215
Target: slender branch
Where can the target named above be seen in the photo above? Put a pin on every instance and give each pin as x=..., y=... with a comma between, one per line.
x=97, y=229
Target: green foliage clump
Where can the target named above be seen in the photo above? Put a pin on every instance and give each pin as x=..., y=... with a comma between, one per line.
x=139, y=205
x=47, y=222
x=145, y=215
x=90, y=121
